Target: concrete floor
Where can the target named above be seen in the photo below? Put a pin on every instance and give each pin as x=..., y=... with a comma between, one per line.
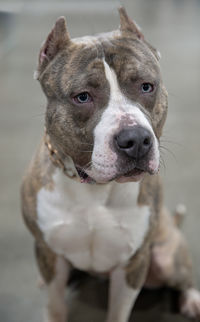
x=173, y=27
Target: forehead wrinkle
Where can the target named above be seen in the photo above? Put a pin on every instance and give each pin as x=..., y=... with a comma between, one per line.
x=92, y=75
x=83, y=55
x=123, y=52
x=83, y=64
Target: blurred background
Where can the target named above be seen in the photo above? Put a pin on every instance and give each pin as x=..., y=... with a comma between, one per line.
x=173, y=27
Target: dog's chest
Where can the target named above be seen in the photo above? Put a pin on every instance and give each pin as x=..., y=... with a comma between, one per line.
x=96, y=227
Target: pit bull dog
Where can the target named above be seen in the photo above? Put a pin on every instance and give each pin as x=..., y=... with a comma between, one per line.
x=92, y=196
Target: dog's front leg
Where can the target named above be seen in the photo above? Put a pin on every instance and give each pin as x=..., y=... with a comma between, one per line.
x=121, y=297
x=56, y=306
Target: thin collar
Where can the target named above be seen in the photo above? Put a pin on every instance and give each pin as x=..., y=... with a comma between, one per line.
x=58, y=162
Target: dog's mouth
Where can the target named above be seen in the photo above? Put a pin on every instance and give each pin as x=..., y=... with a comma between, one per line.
x=131, y=175
x=85, y=178
x=135, y=174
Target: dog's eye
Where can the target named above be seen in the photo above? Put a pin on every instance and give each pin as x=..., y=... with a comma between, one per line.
x=147, y=88
x=82, y=98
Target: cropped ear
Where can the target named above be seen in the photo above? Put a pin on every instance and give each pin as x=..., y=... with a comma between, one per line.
x=127, y=25
x=57, y=40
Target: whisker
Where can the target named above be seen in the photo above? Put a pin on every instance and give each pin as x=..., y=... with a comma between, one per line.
x=162, y=163
x=86, y=167
x=164, y=148
x=86, y=143
x=163, y=140
x=167, y=138
x=89, y=151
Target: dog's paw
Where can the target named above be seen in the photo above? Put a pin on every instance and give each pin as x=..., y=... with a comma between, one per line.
x=190, y=303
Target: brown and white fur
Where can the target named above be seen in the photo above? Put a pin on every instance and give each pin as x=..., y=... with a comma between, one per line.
x=104, y=213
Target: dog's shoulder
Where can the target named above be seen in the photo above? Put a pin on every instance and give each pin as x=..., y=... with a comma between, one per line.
x=151, y=192
x=39, y=174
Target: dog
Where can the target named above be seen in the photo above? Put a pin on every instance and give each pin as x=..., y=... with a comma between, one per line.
x=92, y=196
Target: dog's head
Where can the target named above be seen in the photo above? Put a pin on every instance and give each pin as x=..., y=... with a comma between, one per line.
x=106, y=101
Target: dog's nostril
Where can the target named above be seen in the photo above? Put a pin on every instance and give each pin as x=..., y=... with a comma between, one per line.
x=147, y=141
x=130, y=144
x=123, y=143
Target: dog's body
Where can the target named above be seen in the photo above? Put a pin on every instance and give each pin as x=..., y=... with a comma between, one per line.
x=106, y=109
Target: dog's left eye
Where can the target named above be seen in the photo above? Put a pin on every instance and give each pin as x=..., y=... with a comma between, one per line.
x=147, y=88
x=82, y=98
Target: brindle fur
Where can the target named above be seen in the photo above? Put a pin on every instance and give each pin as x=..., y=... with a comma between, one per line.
x=38, y=175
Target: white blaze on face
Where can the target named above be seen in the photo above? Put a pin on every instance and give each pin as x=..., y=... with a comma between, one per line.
x=104, y=159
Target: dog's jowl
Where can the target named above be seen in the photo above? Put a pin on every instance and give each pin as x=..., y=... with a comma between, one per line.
x=92, y=196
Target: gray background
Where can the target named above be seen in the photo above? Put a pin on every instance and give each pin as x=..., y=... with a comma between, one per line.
x=172, y=26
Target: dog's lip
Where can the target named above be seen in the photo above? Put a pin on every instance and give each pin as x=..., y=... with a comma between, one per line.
x=134, y=174
x=85, y=178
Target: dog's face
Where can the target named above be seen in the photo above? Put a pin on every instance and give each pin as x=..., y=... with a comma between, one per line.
x=106, y=101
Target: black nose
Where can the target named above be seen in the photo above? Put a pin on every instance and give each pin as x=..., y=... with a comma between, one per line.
x=135, y=142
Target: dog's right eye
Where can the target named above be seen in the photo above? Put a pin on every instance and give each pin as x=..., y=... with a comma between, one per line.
x=147, y=88
x=83, y=98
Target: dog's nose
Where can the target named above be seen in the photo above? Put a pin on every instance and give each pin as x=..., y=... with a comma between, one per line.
x=134, y=142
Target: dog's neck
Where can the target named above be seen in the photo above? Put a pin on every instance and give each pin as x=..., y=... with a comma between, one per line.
x=66, y=165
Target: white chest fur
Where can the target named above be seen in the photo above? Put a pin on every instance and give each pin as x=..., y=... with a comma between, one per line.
x=96, y=227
